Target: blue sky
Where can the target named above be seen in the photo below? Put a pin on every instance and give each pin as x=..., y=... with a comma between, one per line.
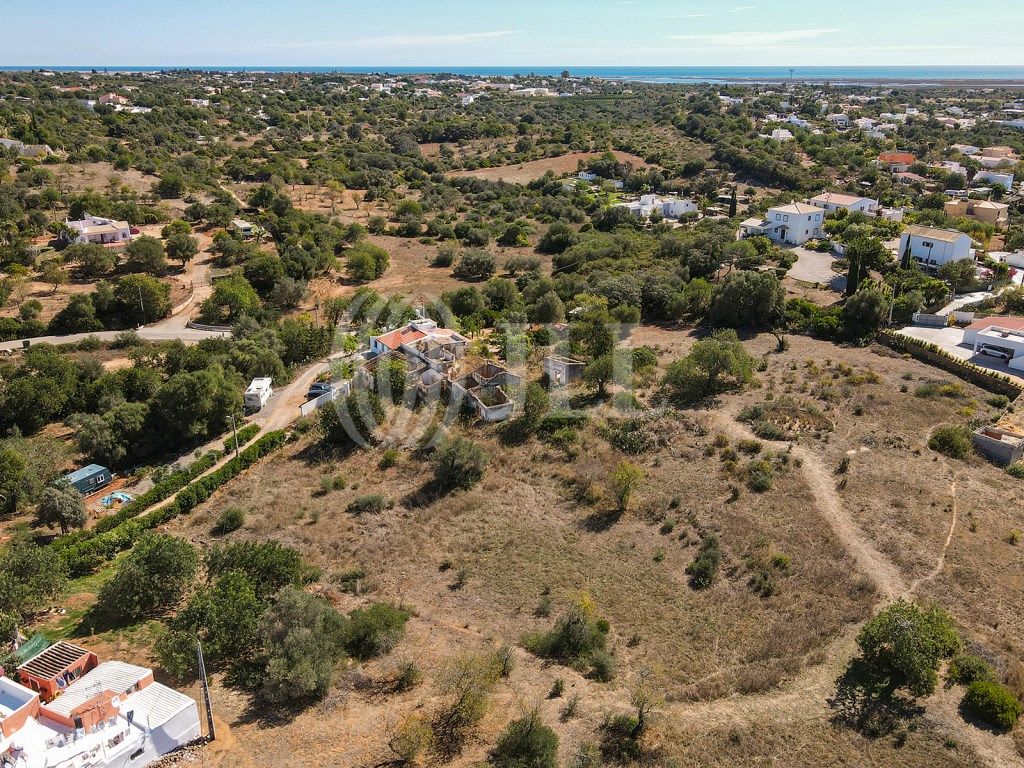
x=512, y=32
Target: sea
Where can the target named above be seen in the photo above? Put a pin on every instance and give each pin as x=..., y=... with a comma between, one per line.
x=923, y=75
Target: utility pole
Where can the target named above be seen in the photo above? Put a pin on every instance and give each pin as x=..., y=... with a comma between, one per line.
x=234, y=432
x=204, y=683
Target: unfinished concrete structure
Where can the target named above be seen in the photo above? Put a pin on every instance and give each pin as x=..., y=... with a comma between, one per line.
x=486, y=390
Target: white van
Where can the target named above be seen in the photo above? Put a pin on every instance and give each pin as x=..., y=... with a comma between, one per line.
x=258, y=393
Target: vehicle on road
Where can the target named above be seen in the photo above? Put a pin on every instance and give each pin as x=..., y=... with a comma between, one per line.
x=319, y=388
x=258, y=393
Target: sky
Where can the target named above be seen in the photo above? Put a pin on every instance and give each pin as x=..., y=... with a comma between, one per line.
x=436, y=33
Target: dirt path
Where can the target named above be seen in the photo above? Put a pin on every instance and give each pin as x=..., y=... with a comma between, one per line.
x=886, y=576
x=805, y=698
x=941, y=562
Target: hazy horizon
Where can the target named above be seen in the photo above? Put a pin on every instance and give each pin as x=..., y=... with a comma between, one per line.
x=459, y=33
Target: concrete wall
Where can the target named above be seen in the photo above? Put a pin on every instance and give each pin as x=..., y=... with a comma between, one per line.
x=986, y=440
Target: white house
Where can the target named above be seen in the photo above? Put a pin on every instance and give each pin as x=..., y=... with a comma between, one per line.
x=113, y=716
x=840, y=121
x=833, y=201
x=669, y=207
x=931, y=247
x=1004, y=180
x=781, y=134
x=96, y=229
x=965, y=149
x=793, y=224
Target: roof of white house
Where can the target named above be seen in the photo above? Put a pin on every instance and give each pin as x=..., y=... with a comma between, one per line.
x=800, y=209
x=156, y=704
x=114, y=676
x=942, y=235
x=836, y=198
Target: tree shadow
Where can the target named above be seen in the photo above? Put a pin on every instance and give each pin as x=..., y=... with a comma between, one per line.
x=601, y=520
x=868, y=702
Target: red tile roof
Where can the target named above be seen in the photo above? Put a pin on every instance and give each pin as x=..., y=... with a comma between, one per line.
x=1006, y=321
x=897, y=158
x=394, y=339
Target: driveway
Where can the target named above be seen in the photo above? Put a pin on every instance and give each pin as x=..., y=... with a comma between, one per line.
x=814, y=267
x=950, y=339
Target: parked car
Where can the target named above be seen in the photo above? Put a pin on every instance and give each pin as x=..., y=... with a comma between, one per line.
x=134, y=230
x=319, y=388
x=997, y=352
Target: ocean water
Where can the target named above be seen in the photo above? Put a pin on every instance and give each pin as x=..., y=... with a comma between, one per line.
x=1012, y=75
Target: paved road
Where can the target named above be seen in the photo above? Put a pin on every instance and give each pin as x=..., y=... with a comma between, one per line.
x=149, y=333
x=951, y=340
x=173, y=327
x=815, y=267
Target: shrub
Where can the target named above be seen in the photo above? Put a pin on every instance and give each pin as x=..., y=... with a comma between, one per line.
x=231, y=519
x=245, y=434
x=372, y=503
x=993, y=703
x=625, y=481
x=374, y=631
x=951, y=440
x=578, y=638
x=408, y=676
x=704, y=569
x=526, y=743
x=760, y=475
x=768, y=430
x=966, y=668
x=459, y=464
x=1016, y=470
x=389, y=459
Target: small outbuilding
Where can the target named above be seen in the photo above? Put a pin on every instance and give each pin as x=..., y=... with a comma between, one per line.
x=89, y=479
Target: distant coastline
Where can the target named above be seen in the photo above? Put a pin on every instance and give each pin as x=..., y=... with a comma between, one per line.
x=1012, y=76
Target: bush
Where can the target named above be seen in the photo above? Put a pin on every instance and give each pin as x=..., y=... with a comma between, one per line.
x=966, y=668
x=993, y=703
x=374, y=631
x=578, y=639
x=231, y=519
x=300, y=643
x=951, y=440
x=371, y=503
x=1016, y=470
x=704, y=569
x=459, y=464
x=245, y=434
x=526, y=743
x=760, y=475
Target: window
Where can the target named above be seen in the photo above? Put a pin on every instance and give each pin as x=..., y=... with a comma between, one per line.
x=817, y=217
x=785, y=218
x=778, y=217
x=926, y=244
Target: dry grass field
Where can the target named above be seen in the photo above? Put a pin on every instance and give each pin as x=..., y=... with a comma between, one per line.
x=534, y=169
x=861, y=509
